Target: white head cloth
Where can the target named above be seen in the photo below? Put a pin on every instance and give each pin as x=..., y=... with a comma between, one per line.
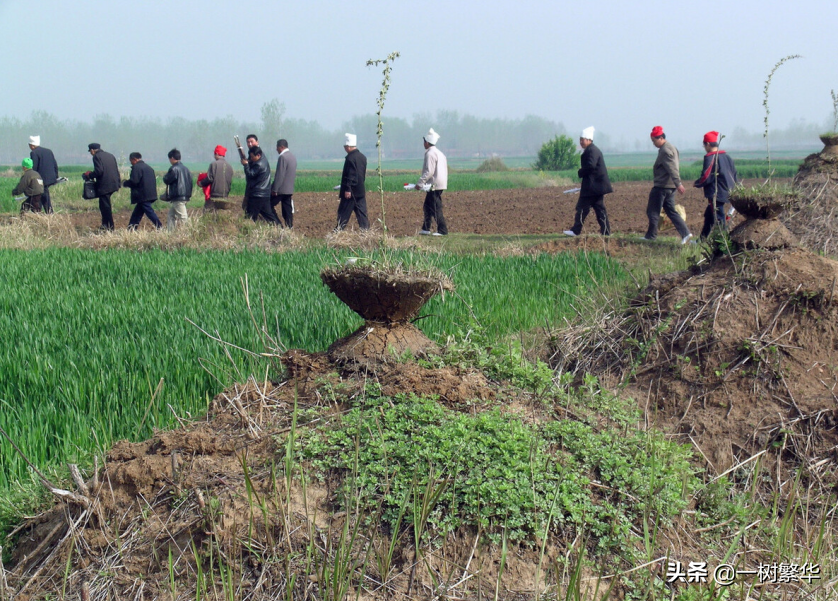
x=35, y=140
x=588, y=133
x=432, y=137
x=350, y=140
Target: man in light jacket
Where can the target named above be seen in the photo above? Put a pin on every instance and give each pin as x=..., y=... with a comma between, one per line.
x=667, y=176
x=219, y=177
x=435, y=173
x=178, y=191
x=282, y=190
x=595, y=185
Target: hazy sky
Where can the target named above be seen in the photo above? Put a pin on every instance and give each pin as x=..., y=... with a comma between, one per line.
x=621, y=66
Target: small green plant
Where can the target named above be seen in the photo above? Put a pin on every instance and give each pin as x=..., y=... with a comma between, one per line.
x=557, y=154
x=765, y=103
x=382, y=95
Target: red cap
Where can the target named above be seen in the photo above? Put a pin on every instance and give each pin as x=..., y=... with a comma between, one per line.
x=221, y=150
x=711, y=137
x=657, y=131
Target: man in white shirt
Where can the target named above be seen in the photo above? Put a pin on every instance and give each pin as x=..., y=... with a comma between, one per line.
x=435, y=173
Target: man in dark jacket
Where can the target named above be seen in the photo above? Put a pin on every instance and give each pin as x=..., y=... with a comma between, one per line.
x=179, y=190
x=257, y=172
x=353, y=192
x=106, y=175
x=595, y=185
x=718, y=177
x=219, y=178
x=43, y=162
x=282, y=190
x=143, y=184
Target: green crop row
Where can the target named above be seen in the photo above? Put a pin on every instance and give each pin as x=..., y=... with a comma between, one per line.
x=88, y=335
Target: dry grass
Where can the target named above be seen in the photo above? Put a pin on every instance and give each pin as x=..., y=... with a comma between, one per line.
x=217, y=232
x=371, y=239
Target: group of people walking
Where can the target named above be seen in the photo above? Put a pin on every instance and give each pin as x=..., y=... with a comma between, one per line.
x=718, y=177
x=261, y=196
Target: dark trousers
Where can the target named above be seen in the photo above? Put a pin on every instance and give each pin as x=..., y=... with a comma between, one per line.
x=261, y=207
x=349, y=205
x=32, y=203
x=713, y=217
x=584, y=206
x=46, y=201
x=107, y=211
x=663, y=198
x=433, y=210
x=286, y=204
x=140, y=209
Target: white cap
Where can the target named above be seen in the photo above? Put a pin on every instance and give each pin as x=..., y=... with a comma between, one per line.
x=350, y=140
x=588, y=133
x=35, y=140
x=432, y=137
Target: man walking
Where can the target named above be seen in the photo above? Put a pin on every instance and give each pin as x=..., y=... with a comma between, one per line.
x=353, y=192
x=718, y=177
x=257, y=172
x=595, y=185
x=667, y=179
x=30, y=185
x=143, y=184
x=106, y=175
x=219, y=177
x=282, y=190
x=435, y=173
x=43, y=161
x=179, y=190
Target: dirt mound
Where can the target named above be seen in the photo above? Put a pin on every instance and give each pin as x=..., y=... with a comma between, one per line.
x=813, y=218
x=208, y=506
x=377, y=342
x=737, y=357
x=763, y=233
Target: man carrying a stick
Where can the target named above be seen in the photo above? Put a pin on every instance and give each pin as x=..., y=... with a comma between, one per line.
x=718, y=177
x=257, y=172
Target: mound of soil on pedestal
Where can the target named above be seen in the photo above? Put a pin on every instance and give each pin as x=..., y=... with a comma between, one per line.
x=385, y=296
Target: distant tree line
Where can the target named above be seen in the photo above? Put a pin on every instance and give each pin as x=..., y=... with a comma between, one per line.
x=463, y=135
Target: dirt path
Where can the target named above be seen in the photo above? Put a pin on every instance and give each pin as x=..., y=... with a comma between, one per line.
x=516, y=211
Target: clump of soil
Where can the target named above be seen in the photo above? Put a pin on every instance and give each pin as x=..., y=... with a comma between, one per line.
x=387, y=299
x=813, y=217
x=763, y=233
x=737, y=357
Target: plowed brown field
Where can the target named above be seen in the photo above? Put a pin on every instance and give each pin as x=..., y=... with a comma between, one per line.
x=515, y=211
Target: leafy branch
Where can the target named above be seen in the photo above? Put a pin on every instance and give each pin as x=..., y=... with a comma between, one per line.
x=765, y=104
x=382, y=94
